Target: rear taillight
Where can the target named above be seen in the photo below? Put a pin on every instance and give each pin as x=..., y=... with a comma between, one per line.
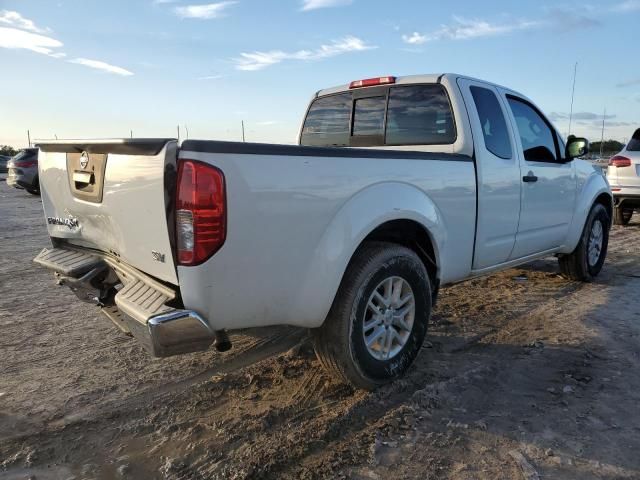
x=25, y=163
x=619, y=161
x=370, y=82
x=201, y=212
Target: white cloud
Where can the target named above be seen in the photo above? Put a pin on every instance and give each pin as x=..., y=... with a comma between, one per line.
x=315, y=4
x=211, y=77
x=627, y=6
x=581, y=116
x=9, y=17
x=27, y=36
x=106, y=67
x=267, y=123
x=414, y=39
x=464, y=29
x=205, y=11
x=259, y=60
x=20, y=39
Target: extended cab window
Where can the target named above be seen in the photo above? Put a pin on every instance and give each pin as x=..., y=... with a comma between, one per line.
x=419, y=115
x=494, y=126
x=327, y=123
x=538, y=140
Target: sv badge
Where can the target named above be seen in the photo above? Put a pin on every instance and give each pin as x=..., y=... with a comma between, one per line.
x=157, y=256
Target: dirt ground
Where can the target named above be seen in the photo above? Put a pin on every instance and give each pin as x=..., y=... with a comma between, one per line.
x=524, y=375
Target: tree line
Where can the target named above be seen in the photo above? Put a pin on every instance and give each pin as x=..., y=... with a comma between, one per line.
x=8, y=151
x=609, y=147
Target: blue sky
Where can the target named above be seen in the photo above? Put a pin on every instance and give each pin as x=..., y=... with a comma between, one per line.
x=81, y=68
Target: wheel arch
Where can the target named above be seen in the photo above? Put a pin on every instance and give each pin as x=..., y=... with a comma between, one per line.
x=415, y=237
x=606, y=200
x=385, y=211
x=595, y=190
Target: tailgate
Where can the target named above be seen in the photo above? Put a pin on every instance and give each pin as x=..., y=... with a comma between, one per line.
x=115, y=196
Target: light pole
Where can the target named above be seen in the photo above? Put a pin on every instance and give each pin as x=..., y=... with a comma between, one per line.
x=573, y=91
x=604, y=116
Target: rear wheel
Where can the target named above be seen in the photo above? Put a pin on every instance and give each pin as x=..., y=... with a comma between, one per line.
x=378, y=320
x=586, y=261
x=35, y=188
x=622, y=216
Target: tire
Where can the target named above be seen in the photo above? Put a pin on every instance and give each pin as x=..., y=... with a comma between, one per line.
x=578, y=265
x=35, y=188
x=622, y=216
x=340, y=342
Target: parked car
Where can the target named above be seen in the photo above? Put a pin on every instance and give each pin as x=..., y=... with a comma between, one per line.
x=623, y=173
x=460, y=178
x=4, y=159
x=23, y=171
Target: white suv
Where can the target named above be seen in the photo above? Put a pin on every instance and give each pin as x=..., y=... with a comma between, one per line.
x=624, y=177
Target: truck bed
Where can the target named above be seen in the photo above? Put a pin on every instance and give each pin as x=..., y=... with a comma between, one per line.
x=294, y=217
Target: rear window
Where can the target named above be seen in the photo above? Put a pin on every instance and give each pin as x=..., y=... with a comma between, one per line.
x=634, y=143
x=368, y=116
x=399, y=115
x=327, y=123
x=419, y=115
x=25, y=154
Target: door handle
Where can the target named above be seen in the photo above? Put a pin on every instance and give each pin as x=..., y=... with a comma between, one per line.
x=530, y=178
x=83, y=179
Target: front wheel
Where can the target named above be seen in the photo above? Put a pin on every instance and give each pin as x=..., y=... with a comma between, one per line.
x=622, y=216
x=378, y=320
x=586, y=261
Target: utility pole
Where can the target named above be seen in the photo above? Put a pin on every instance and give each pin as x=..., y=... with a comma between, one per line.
x=242, y=123
x=178, y=128
x=131, y=132
x=573, y=91
x=186, y=129
x=29, y=137
x=604, y=116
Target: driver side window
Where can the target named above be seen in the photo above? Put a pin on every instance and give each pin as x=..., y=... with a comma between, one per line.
x=537, y=137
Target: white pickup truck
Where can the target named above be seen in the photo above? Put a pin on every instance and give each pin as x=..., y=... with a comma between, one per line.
x=445, y=178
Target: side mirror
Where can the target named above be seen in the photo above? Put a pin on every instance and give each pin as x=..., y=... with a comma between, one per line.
x=576, y=147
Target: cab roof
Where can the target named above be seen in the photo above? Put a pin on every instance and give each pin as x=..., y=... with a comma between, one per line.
x=407, y=80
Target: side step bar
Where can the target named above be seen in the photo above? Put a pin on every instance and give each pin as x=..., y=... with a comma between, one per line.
x=139, y=307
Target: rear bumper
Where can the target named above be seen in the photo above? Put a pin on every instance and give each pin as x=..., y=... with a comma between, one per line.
x=15, y=181
x=140, y=307
x=18, y=179
x=178, y=331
